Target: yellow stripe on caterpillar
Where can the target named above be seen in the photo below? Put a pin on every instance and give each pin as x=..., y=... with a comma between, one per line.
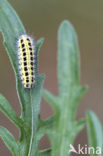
x=26, y=60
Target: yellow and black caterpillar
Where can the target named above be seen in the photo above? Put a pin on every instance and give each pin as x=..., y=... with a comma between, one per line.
x=26, y=59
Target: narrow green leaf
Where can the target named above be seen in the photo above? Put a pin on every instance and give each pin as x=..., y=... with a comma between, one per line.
x=51, y=99
x=38, y=45
x=66, y=128
x=9, y=141
x=6, y=108
x=46, y=126
x=80, y=125
x=95, y=132
x=68, y=58
x=46, y=152
x=79, y=93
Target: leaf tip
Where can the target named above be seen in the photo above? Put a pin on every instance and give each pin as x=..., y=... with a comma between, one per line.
x=67, y=25
x=89, y=112
x=41, y=41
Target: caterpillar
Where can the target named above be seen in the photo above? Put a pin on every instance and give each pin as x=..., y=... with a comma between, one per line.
x=26, y=60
